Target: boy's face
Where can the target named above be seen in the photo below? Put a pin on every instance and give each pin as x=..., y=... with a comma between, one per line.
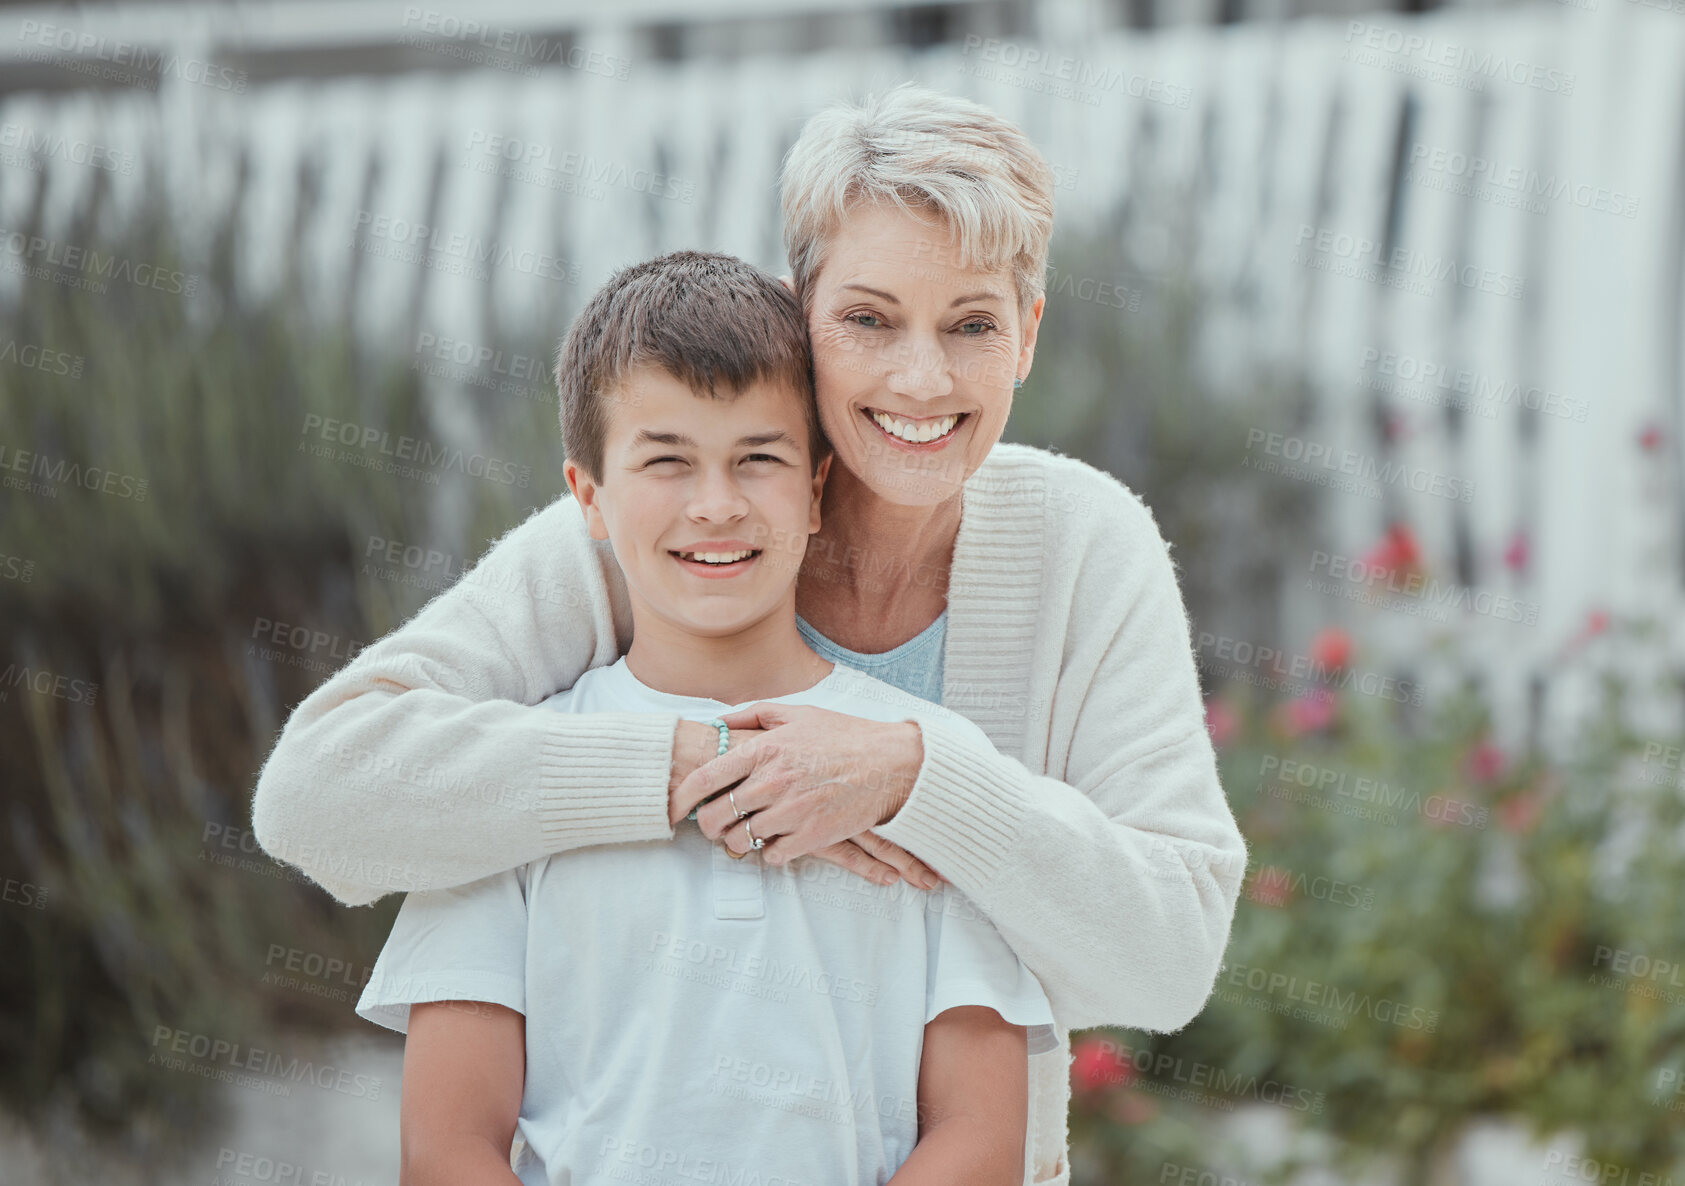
x=682, y=474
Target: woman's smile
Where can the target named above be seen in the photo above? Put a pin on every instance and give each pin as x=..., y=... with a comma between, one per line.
x=925, y=435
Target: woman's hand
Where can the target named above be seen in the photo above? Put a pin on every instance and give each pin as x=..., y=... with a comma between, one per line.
x=813, y=779
x=694, y=746
x=866, y=855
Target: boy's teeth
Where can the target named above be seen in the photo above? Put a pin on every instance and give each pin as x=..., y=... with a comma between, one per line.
x=915, y=433
x=717, y=557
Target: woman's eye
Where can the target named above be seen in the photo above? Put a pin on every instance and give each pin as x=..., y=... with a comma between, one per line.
x=860, y=319
x=982, y=327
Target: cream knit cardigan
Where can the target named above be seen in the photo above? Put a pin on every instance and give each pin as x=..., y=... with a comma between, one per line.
x=1098, y=839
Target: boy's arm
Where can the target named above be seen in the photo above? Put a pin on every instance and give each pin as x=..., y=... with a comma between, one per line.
x=973, y=1102
x=464, y=1072
x=422, y=763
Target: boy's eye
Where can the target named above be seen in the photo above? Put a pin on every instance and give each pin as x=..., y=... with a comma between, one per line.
x=665, y=460
x=762, y=457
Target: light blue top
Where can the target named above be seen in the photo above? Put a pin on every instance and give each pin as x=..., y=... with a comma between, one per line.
x=915, y=666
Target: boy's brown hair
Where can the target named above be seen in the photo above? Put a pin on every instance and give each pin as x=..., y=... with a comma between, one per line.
x=712, y=321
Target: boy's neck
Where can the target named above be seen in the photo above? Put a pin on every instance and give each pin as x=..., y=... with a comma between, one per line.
x=767, y=659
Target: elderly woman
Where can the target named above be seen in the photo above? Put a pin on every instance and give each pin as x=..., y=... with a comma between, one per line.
x=1027, y=591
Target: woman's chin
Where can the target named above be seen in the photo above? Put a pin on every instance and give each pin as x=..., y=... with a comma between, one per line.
x=910, y=480
x=910, y=491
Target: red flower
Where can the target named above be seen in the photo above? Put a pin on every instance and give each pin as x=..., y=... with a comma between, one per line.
x=1097, y=1064
x=1485, y=762
x=1397, y=549
x=1597, y=621
x=1331, y=648
x=1650, y=438
x=1271, y=887
x=1221, y=722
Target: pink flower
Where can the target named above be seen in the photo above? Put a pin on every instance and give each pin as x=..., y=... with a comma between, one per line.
x=1311, y=712
x=1485, y=762
x=1271, y=887
x=1650, y=438
x=1331, y=649
x=1097, y=1064
x=1519, y=813
x=1518, y=552
x=1221, y=722
x=1597, y=621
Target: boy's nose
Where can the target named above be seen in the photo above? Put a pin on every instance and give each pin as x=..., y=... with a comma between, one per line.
x=717, y=496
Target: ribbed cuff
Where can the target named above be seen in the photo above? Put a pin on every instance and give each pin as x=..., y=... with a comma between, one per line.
x=963, y=814
x=603, y=778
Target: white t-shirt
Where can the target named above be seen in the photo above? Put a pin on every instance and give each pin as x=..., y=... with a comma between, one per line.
x=696, y=1019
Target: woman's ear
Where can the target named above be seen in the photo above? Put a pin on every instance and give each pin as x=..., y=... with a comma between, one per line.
x=585, y=492
x=1032, y=326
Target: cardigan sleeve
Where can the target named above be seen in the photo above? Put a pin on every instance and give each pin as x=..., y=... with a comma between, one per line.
x=425, y=762
x=1117, y=882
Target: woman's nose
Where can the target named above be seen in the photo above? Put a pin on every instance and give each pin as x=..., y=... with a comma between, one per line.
x=920, y=370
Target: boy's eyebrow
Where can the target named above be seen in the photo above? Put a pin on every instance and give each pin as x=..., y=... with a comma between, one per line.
x=987, y=294
x=647, y=437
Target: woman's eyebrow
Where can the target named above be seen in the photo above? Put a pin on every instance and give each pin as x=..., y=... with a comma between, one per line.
x=987, y=294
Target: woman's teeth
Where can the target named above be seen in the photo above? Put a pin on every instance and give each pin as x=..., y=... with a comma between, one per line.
x=915, y=432
x=716, y=557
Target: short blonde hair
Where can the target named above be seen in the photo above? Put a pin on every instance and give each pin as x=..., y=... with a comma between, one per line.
x=926, y=152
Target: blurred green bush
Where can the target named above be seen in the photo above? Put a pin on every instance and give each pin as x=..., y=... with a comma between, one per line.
x=142, y=685
x=1431, y=931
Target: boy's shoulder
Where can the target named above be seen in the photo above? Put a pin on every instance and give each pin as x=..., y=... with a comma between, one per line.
x=854, y=692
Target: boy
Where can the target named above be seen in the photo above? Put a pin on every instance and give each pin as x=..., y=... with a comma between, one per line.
x=664, y=1012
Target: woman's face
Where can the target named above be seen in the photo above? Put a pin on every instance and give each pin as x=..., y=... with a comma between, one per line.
x=913, y=356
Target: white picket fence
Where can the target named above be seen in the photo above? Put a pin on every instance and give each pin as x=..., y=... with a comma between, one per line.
x=1344, y=131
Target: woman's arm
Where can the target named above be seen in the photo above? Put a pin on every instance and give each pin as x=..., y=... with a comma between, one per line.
x=973, y=1102
x=1115, y=876
x=425, y=763
x=464, y=1074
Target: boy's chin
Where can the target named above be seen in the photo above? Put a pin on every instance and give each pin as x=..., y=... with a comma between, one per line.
x=728, y=620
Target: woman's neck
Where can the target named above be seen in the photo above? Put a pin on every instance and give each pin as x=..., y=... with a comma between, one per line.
x=876, y=572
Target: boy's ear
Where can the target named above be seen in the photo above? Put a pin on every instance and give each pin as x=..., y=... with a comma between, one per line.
x=585, y=494
x=818, y=491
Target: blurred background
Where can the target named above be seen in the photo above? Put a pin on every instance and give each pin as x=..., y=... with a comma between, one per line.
x=1379, y=310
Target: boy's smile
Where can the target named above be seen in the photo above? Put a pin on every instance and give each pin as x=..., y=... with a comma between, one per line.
x=714, y=559
x=708, y=504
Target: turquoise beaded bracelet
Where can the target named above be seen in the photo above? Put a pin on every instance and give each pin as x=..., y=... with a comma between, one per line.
x=725, y=741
